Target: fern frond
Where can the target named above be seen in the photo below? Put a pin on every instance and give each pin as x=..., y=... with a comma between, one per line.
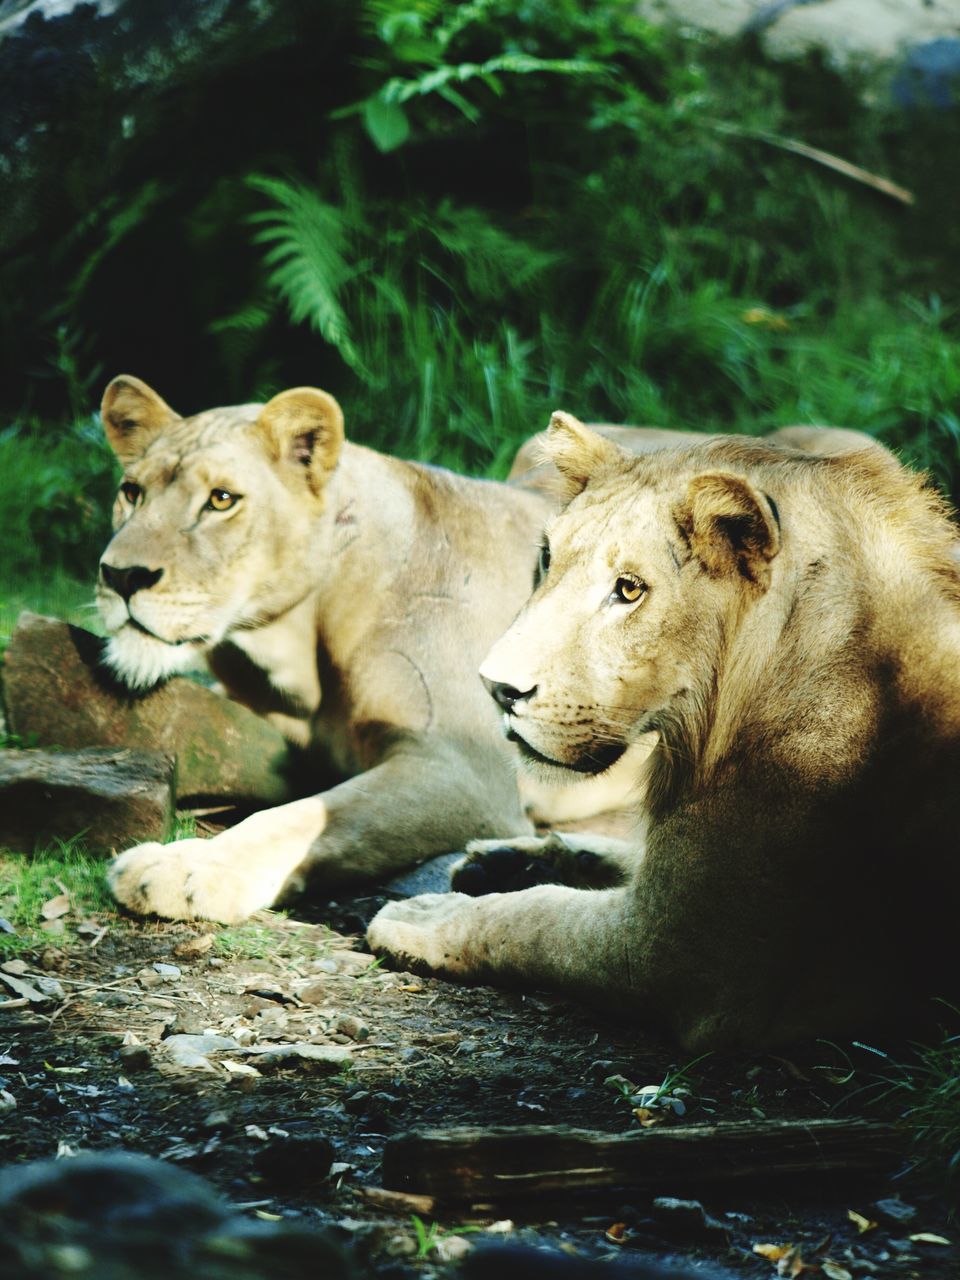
x=400, y=90
x=306, y=243
x=492, y=260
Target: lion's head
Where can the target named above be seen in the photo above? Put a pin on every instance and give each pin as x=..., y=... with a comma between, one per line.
x=637, y=586
x=214, y=521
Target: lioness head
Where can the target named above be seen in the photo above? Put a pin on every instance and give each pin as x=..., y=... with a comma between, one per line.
x=213, y=521
x=639, y=578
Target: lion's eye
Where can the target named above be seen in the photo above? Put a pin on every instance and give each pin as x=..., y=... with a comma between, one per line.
x=629, y=590
x=221, y=500
x=543, y=563
x=132, y=493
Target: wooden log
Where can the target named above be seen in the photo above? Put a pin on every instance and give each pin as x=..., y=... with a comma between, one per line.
x=469, y=1165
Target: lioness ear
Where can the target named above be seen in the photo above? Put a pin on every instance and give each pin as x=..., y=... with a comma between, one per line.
x=730, y=526
x=133, y=416
x=577, y=452
x=304, y=426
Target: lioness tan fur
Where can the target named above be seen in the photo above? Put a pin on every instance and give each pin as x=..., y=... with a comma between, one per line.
x=789, y=627
x=346, y=595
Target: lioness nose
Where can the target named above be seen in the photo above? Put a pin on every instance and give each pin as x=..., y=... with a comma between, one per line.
x=505, y=695
x=126, y=581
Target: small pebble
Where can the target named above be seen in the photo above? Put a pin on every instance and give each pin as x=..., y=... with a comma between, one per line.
x=134, y=1057
x=353, y=1027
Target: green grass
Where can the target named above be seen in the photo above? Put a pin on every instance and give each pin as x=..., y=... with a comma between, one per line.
x=246, y=942
x=924, y=1088
x=27, y=882
x=428, y=1236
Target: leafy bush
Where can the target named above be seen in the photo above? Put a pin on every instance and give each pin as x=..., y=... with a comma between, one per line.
x=56, y=491
x=489, y=209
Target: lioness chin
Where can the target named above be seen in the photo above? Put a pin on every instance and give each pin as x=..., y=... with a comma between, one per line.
x=788, y=625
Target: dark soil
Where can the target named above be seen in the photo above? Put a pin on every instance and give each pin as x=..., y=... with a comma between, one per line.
x=93, y=1071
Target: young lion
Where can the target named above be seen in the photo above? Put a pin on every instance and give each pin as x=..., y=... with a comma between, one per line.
x=789, y=625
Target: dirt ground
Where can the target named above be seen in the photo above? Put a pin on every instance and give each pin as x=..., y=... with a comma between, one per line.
x=291, y=1136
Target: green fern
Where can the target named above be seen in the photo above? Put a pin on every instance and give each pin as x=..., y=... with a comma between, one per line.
x=306, y=241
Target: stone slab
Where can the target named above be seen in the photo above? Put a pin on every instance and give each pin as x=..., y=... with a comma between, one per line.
x=57, y=693
x=113, y=798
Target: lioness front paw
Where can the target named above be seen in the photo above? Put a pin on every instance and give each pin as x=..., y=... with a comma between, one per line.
x=189, y=880
x=425, y=933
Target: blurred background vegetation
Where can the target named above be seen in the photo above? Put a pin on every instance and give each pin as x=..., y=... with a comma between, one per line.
x=457, y=217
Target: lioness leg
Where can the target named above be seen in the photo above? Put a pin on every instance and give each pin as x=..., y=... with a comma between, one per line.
x=582, y=861
x=551, y=935
x=414, y=804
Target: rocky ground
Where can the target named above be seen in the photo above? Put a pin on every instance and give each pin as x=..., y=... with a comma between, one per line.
x=277, y=1059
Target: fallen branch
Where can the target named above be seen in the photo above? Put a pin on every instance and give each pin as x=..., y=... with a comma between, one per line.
x=826, y=158
x=468, y=1165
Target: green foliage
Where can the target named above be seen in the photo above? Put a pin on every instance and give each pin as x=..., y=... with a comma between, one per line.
x=428, y=1238
x=923, y=1087
x=27, y=883
x=497, y=208
x=56, y=491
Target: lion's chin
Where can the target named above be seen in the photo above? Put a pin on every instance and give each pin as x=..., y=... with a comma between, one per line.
x=597, y=759
x=141, y=661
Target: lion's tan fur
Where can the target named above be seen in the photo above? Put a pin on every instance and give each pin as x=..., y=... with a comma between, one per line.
x=796, y=650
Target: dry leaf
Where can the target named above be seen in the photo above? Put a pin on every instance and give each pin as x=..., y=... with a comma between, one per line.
x=792, y=1263
x=927, y=1237
x=833, y=1270
x=56, y=907
x=860, y=1222
x=772, y=1252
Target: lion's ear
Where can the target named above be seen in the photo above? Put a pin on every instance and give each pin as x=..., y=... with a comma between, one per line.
x=731, y=527
x=305, y=427
x=133, y=416
x=577, y=452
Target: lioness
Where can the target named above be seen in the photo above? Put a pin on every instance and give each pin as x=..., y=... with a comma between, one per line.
x=346, y=595
x=789, y=626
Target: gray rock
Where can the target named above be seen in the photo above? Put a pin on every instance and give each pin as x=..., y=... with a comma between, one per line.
x=85, y=83
x=431, y=877
x=191, y=1051
x=685, y=1220
x=57, y=694
x=846, y=32
x=895, y=1210
x=114, y=798
x=319, y=1057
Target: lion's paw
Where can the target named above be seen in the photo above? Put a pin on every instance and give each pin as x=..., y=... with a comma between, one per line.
x=423, y=933
x=504, y=866
x=189, y=880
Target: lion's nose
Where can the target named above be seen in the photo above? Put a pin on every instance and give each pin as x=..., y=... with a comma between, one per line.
x=505, y=695
x=126, y=581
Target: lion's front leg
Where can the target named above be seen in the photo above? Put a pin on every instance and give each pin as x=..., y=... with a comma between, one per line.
x=577, y=941
x=226, y=878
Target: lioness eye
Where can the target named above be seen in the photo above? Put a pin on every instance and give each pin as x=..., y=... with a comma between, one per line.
x=221, y=500
x=629, y=590
x=131, y=492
